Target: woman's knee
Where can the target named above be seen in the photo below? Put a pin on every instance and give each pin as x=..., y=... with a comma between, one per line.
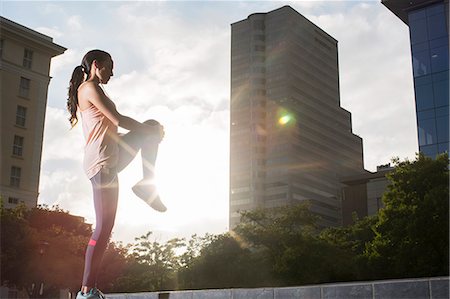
x=151, y=122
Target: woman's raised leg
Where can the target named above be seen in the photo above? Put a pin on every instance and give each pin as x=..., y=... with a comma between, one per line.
x=129, y=145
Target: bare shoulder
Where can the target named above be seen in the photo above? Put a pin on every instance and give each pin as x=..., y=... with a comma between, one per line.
x=88, y=87
x=86, y=92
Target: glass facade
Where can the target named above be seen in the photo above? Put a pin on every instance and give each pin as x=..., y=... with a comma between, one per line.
x=428, y=29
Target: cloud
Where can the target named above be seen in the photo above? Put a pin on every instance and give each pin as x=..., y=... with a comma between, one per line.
x=75, y=23
x=62, y=63
x=62, y=179
x=60, y=143
x=52, y=32
x=375, y=79
x=172, y=63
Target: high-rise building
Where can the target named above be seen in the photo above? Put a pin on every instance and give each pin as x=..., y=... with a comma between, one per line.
x=290, y=139
x=428, y=27
x=25, y=57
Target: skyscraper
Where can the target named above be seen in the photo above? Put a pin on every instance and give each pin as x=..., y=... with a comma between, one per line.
x=428, y=27
x=25, y=57
x=290, y=139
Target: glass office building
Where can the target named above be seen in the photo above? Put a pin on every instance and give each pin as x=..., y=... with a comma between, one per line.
x=429, y=37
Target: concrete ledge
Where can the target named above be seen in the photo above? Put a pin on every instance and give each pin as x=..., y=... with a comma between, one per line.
x=298, y=292
x=420, y=288
x=356, y=291
x=403, y=289
x=439, y=288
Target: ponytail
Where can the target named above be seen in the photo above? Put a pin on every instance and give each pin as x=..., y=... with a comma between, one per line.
x=78, y=77
x=72, y=101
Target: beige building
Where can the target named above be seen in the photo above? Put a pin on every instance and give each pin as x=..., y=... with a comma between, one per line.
x=290, y=139
x=24, y=76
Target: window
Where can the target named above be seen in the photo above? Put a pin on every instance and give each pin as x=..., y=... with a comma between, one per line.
x=443, y=147
x=21, y=115
x=13, y=200
x=421, y=63
x=441, y=93
x=27, y=58
x=418, y=30
x=429, y=150
x=439, y=59
x=24, y=89
x=259, y=81
x=427, y=132
x=424, y=97
x=260, y=48
x=437, y=26
x=15, y=176
x=259, y=37
x=18, y=146
x=442, y=129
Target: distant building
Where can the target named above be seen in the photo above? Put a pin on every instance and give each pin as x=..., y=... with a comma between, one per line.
x=428, y=24
x=24, y=73
x=290, y=139
x=362, y=194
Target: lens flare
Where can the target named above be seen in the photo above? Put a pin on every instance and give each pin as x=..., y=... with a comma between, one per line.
x=285, y=119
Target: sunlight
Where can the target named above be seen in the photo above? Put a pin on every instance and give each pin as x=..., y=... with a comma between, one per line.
x=191, y=176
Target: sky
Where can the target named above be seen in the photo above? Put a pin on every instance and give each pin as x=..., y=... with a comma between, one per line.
x=172, y=63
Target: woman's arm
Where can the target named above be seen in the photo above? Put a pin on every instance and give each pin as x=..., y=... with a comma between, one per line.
x=97, y=97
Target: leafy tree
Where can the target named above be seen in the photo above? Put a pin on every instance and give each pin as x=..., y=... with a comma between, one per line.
x=289, y=237
x=16, y=244
x=412, y=234
x=152, y=266
x=116, y=262
x=353, y=240
x=224, y=261
x=43, y=245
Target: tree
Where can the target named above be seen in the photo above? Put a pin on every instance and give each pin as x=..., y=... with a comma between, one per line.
x=16, y=244
x=288, y=235
x=353, y=240
x=152, y=265
x=412, y=233
x=224, y=261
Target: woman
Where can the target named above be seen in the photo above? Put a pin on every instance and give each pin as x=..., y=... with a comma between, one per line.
x=107, y=153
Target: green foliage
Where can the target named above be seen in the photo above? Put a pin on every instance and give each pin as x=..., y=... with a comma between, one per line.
x=41, y=245
x=412, y=232
x=16, y=244
x=288, y=237
x=223, y=262
x=160, y=262
x=271, y=247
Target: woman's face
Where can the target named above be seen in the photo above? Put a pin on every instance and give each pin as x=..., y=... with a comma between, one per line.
x=105, y=71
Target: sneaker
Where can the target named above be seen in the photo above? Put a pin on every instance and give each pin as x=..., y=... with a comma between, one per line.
x=94, y=293
x=148, y=193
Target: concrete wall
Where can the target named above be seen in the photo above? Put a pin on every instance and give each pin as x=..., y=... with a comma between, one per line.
x=424, y=288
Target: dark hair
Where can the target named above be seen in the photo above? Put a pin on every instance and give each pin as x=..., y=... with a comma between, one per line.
x=79, y=75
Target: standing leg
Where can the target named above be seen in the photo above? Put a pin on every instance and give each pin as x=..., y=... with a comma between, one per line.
x=105, y=189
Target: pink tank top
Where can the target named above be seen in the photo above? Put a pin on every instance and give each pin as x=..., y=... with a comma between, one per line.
x=101, y=149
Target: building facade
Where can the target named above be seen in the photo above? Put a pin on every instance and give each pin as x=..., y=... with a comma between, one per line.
x=290, y=141
x=428, y=24
x=363, y=193
x=25, y=57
